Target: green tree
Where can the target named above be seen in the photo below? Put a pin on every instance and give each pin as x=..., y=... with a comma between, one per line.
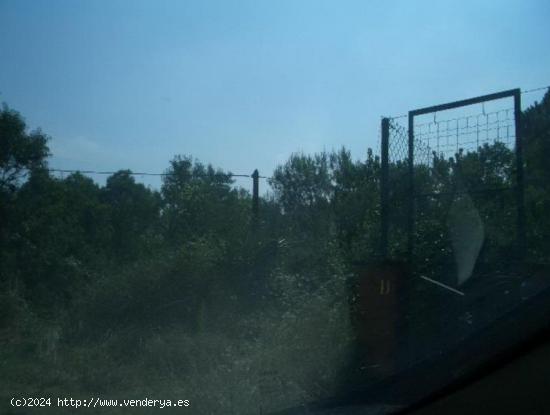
x=197, y=200
x=303, y=184
x=134, y=212
x=356, y=204
x=20, y=151
x=62, y=235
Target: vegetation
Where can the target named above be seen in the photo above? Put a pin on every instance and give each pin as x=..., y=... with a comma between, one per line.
x=127, y=292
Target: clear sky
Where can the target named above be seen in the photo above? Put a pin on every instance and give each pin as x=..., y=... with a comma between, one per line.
x=243, y=84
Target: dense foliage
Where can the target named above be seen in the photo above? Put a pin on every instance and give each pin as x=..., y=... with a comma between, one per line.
x=121, y=289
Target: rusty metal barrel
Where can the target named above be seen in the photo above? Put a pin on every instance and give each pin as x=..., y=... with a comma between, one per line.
x=379, y=308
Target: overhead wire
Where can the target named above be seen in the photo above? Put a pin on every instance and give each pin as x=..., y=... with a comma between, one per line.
x=131, y=173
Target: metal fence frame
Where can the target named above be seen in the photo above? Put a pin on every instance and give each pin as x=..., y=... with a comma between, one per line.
x=411, y=201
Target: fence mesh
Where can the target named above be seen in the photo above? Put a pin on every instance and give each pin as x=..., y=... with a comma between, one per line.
x=464, y=206
x=398, y=188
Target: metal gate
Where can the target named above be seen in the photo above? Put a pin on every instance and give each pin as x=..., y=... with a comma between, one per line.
x=452, y=187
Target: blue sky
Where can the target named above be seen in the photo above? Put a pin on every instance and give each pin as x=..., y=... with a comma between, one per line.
x=243, y=84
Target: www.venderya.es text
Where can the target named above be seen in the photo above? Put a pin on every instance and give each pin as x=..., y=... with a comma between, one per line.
x=95, y=402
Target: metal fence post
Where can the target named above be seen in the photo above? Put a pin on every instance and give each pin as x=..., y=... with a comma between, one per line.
x=411, y=198
x=384, y=190
x=520, y=185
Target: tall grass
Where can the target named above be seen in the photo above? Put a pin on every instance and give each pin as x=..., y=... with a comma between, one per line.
x=288, y=351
